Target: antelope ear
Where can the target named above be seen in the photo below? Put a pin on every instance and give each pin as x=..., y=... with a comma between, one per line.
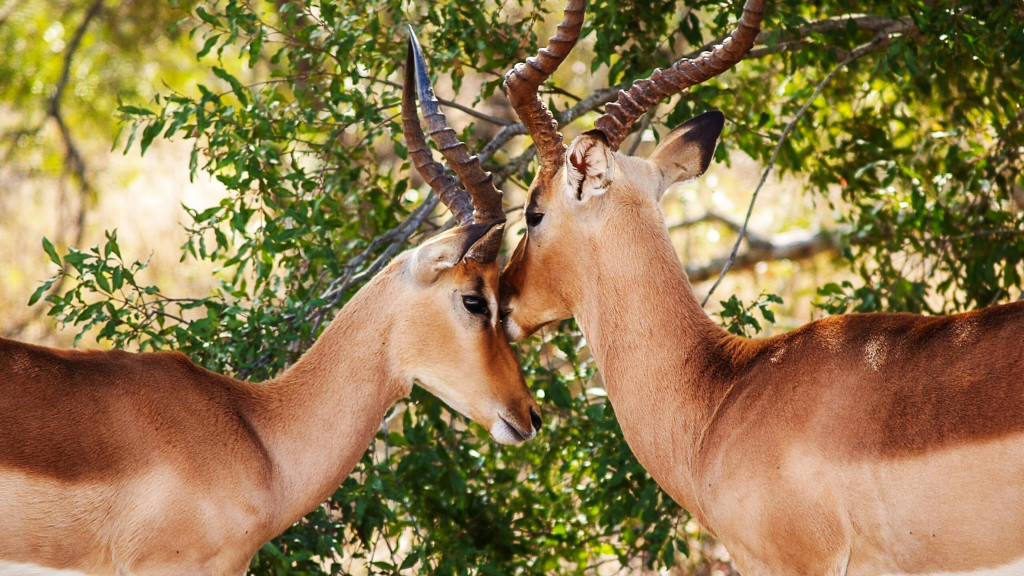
x=436, y=255
x=485, y=249
x=686, y=152
x=479, y=242
x=589, y=167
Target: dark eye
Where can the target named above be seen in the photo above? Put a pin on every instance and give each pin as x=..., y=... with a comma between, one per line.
x=475, y=305
x=534, y=218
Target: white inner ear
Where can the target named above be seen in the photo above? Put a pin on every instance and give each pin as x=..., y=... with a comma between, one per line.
x=433, y=258
x=588, y=171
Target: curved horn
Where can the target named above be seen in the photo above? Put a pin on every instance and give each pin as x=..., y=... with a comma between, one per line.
x=620, y=115
x=456, y=199
x=523, y=80
x=486, y=197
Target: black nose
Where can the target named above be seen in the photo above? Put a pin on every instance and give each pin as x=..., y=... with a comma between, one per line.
x=535, y=419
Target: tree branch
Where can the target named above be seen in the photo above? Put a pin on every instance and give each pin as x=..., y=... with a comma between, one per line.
x=451, y=104
x=712, y=216
x=563, y=118
x=775, y=41
x=318, y=306
x=73, y=157
x=787, y=40
x=881, y=40
x=800, y=246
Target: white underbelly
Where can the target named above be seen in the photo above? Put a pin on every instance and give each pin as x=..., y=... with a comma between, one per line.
x=18, y=569
x=1015, y=568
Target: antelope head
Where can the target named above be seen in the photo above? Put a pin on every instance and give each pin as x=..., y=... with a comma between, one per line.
x=590, y=204
x=452, y=341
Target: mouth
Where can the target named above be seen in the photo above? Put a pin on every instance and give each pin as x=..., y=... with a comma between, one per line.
x=512, y=330
x=506, y=432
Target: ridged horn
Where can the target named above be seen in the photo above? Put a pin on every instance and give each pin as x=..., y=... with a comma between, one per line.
x=456, y=199
x=620, y=115
x=478, y=182
x=523, y=80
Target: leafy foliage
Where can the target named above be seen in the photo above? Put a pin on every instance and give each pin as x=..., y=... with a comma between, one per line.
x=739, y=318
x=922, y=133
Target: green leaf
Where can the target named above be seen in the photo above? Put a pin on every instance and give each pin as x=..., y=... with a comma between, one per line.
x=236, y=86
x=135, y=110
x=42, y=289
x=51, y=252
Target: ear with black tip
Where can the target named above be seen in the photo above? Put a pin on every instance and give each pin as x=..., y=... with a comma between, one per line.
x=686, y=152
x=589, y=166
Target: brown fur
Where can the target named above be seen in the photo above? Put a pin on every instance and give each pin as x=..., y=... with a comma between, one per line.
x=860, y=444
x=118, y=463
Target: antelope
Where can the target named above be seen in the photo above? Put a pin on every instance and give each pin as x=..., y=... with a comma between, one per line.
x=121, y=463
x=857, y=444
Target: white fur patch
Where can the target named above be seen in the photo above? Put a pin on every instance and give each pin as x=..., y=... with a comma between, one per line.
x=1015, y=568
x=588, y=172
x=875, y=352
x=17, y=569
x=503, y=434
x=513, y=330
x=964, y=330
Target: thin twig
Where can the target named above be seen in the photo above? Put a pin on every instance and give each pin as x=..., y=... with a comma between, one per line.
x=73, y=157
x=449, y=103
x=645, y=123
x=565, y=117
x=880, y=41
x=789, y=246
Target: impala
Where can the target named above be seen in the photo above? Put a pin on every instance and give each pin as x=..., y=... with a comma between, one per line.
x=146, y=464
x=858, y=444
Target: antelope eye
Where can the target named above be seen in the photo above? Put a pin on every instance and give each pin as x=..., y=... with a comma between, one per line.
x=475, y=305
x=534, y=218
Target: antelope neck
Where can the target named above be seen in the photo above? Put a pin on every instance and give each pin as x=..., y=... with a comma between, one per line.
x=317, y=419
x=658, y=354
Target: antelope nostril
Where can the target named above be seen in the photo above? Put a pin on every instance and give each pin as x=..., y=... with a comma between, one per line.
x=535, y=419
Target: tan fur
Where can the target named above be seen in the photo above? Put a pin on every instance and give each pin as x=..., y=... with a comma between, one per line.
x=861, y=444
x=146, y=464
